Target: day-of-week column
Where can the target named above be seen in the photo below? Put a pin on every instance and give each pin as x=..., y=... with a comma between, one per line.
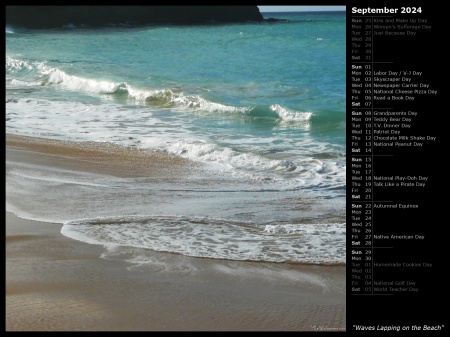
x=361, y=156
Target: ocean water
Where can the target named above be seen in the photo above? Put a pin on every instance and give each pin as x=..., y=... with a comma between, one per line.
x=260, y=107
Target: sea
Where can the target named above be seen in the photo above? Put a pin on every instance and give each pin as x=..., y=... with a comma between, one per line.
x=259, y=107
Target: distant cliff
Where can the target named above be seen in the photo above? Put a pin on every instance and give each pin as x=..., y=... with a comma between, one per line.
x=41, y=17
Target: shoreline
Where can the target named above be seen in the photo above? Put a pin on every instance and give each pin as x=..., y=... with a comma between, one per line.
x=54, y=283
x=98, y=157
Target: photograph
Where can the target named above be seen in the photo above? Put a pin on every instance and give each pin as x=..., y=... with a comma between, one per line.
x=175, y=168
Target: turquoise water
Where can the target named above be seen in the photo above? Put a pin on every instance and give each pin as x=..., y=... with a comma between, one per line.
x=261, y=103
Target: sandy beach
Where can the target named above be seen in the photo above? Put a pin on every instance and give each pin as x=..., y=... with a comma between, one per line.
x=54, y=283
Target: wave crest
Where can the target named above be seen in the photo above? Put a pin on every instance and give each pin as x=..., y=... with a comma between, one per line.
x=291, y=116
x=56, y=76
x=27, y=73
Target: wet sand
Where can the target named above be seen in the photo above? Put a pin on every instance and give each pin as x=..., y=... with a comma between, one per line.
x=54, y=283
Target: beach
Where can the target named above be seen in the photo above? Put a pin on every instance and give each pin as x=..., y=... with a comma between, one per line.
x=55, y=283
x=177, y=177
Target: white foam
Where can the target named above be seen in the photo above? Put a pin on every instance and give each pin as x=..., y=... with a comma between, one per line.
x=14, y=65
x=216, y=238
x=71, y=82
x=169, y=98
x=291, y=116
x=16, y=82
x=163, y=96
x=46, y=75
